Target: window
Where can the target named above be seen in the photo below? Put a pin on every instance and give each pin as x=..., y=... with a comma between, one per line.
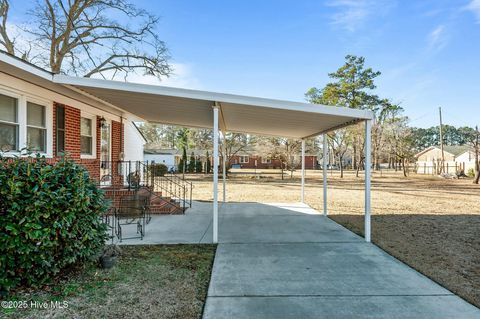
x=8, y=123
x=36, y=127
x=86, y=136
x=60, y=122
x=266, y=160
x=243, y=159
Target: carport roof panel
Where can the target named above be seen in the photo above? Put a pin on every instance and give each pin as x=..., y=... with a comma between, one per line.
x=193, y=108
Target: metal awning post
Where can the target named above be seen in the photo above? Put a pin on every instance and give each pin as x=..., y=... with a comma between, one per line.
x=324, y=173
x=215, y=174
x=303, y=172
x=368, y=164
x=224, y=167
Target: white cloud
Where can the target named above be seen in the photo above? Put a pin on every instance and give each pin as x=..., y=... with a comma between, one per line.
x=352, y=14
x=474, y=6
x=437, y=39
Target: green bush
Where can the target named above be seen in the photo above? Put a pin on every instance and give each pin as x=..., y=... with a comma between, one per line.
x=471, y=172
x=191, y=163
x=198, y=167
x=49, y=219
x=158, y=169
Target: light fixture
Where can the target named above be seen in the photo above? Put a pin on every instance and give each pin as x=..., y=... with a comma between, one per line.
x=103, y=122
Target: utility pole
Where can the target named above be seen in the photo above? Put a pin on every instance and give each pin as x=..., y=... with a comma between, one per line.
x=442, y=168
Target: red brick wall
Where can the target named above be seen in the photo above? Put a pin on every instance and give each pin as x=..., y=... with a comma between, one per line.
x=310, y=162
x=72, y=141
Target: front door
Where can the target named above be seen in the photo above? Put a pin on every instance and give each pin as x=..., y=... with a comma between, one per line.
x=105, y=155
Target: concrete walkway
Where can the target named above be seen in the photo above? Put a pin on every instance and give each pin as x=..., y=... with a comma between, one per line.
x=287, y=261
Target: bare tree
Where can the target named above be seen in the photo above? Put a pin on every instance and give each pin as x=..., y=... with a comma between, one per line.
x=5, y=40
x=236, y=143
x=400, y=137
x=80, y=37
x=339, y=143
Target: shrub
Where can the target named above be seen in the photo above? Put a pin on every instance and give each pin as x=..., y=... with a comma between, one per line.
x=191, y=164
x=471, y=172
x=198, y=167
x=49, y=219
x=158, y=169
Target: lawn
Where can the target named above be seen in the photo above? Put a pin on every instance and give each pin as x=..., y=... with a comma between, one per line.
x=158, y=281
x=430, y=223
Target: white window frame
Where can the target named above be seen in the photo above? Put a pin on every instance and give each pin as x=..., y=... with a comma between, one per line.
x=241, y=159
x=22, y=100
x=93, y=118
x=266, y=160
x=17, y=123
x=30, y=100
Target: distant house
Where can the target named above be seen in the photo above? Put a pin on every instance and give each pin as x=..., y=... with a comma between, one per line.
x=265, y=162
x=164, y=156
x=171, y=157
x=248, y=159
x=456, y=157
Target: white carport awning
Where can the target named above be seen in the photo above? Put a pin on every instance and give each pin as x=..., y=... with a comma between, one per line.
x=193, y=108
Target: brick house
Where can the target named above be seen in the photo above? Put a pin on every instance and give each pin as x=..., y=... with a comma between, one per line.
x=265, y=162
x=52, y=119
x=250, y=160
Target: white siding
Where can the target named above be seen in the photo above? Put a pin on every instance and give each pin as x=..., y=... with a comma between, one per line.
x=134, y=143
x=167, y=159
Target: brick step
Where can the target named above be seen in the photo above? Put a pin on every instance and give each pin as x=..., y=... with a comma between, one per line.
x=164, y=205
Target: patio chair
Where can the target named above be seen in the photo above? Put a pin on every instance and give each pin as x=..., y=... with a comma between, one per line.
x=131, y=211
x=146, y=194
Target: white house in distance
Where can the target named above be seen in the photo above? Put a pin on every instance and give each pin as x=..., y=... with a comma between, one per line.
x=163, y=156
x=457, y=157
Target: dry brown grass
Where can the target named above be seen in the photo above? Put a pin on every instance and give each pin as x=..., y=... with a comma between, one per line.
x=155, y=281
x=430, y=223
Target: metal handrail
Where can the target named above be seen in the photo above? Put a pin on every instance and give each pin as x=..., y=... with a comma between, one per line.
x=173, y=186
x=137, y=174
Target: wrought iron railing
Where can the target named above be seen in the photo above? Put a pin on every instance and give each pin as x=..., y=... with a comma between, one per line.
x=133, y=175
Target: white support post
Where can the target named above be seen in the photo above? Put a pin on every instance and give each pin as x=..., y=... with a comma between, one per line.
x=324, y=173
x=303, y=172
x=224, y=168
x=215, y=174
x=368, y=164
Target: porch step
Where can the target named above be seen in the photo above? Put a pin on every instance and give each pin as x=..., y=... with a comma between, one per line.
x=164, y=205
x=158, y=203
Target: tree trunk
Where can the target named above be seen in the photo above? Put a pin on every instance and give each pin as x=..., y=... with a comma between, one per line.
x=477, y=174
x=355, y=164
x=341, y=167
x=357, y=174
x=404, y=168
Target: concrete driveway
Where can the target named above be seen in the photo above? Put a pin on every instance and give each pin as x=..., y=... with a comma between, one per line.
x=288, y=261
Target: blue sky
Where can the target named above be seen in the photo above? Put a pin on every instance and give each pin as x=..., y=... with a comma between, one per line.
x=427, y=50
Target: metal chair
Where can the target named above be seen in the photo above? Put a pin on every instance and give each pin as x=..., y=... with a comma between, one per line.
x=131, y=211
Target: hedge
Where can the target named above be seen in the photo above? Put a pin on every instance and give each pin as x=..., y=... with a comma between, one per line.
x=50, y=219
